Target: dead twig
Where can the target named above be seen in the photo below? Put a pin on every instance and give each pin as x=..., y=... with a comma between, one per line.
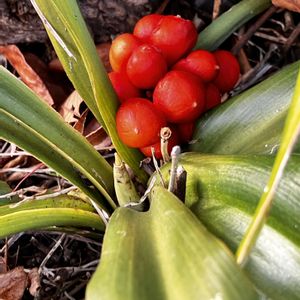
x=254, y=27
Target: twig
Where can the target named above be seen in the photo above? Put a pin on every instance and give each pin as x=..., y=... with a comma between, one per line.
x=291, y=39
x=243, y=40
x=165, y=135
x=216, y=9
x=48, y=256
x=36, y=167
x=175, y=157
x=162, y=7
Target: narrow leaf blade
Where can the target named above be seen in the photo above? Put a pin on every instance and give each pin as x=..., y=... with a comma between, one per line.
x=36, y=127
x=76, y=50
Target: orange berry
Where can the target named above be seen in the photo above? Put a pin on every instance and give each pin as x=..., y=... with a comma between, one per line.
x=146, y=66
x=121, y=49
x=139, y=123
x=201, y=63
x=180, y=96
x=229, y=71
x=123, y=86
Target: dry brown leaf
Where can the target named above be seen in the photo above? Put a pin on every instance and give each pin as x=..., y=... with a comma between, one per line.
x=103, y=52
x=70, y=108
x=34, y=282
x=27, y=74
x=13, y=284
x=79, y=125
x=293, y=5
x=99, y=139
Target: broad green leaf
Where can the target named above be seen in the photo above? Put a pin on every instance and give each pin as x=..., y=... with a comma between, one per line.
x=34, y=219
x=251, y=122
x=289, y=138
x=165, y=253
x=29, y=123
x=64, y=210
x=62, y=201
x=6, y=190
x=221, y=28
x=223, y=192
x=76, y=50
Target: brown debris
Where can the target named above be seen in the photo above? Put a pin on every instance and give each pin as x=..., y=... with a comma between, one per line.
x=13, y=284
x=293, y=5
x=27, y=74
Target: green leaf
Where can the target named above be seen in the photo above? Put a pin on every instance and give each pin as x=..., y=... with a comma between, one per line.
x=29, y=123
x=251, y=122
x=223, y=192
x=289, y=137
x=45, y=217
x=221, y=28
x=165, y=253
x=62, y=201
x=76, y=50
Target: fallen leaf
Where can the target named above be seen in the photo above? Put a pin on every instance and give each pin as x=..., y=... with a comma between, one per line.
x=70, y=108
x=58, y=86
x=27, y=74
x=34, y=282
x=99, y=139
x=103, y=52
x=13, y=284
x=79, y=125
x=293, y=5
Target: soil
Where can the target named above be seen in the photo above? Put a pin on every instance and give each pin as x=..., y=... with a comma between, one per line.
x=274, y=43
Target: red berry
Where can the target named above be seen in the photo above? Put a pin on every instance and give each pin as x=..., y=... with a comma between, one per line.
x=180, y=96
x=139, y=122
x=145, y=26
x=123, y=86
x=121, y=49
x=185, y=131
x=146, y=67
x=173, y=141
x=229, y=71
x=175, y=37
x=201, y=62
x=213, y=96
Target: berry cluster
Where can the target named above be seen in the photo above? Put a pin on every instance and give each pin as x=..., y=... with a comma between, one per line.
x=157, y=60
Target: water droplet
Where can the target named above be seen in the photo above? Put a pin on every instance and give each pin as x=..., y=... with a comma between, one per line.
x=266, y=145
x=136, y=130
x=195, y=104
x=266, y=189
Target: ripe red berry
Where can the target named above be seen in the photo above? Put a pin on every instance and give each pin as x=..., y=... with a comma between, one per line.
x=146, y=66
x=174, y=36
x=139, y=122
x=123, y=86
x=213, y=96
x=145, y=26
x=200, y=62
x=180, y=96
x=121, y=49
x=185, y=131
x=229, y=71
x=173, y=141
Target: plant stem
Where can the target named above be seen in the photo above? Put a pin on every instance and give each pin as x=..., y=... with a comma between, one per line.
x=289, y=138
